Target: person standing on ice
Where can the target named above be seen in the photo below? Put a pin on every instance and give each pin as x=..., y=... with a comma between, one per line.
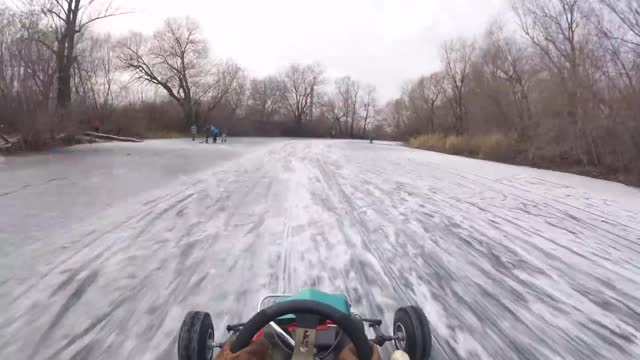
x=214, y=133
x=207, y=133
x=194, y=130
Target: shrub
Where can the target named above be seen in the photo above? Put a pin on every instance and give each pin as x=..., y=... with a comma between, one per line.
x=498, y=147
x=461, y=145
x=434, y=142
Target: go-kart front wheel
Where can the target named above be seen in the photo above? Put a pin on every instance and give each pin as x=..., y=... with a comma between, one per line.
x=195, y=341
x=412, y=332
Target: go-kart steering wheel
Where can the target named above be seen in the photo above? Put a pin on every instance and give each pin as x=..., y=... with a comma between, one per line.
x=309, y=314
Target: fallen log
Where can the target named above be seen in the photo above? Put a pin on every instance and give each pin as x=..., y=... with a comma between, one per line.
x=11, y=144
x=111, y=137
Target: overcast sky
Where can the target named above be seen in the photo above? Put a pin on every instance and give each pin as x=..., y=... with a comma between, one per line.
x=377, y=41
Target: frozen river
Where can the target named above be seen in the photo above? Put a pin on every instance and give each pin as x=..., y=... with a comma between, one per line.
x=103, y=248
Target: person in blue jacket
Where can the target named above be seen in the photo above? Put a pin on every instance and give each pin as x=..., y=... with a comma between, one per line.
x=214, y=133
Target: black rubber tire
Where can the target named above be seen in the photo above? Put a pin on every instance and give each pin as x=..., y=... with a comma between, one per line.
x=195, y=334
x=417, y=332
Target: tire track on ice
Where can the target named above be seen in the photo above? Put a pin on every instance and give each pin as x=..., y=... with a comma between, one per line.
x=353, y=214
x=545, y=201
x=497, y=188
x=135, y=253
x=481, y=305
x=284, y=285
x=138, y=215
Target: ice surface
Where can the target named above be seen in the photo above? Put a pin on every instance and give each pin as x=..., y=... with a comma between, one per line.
x=508, y=262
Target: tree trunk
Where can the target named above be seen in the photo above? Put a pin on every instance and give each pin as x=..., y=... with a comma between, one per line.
x=63, y=90
x=351, y=126
x=432, y=118
x=188, y=113
x=364, y=125
x=64, y=56
x=311, y=105
x=458, y=113
x=65, y=85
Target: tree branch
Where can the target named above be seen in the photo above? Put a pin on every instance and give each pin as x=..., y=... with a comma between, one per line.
x=84, y=24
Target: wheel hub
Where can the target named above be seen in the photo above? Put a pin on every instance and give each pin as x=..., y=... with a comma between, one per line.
x=400, y=339
x=210, y=344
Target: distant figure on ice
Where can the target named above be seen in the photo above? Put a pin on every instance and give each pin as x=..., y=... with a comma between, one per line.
x=223, y=137
x=96, y=125
x=194, y=130
x=214, y=134
x=207, y=133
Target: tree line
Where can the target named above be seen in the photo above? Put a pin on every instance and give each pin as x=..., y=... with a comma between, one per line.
x=58, y=78
x=560, y=83
x=560, y=80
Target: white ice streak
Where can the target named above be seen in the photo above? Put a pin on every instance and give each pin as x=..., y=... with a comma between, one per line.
x=508, y=262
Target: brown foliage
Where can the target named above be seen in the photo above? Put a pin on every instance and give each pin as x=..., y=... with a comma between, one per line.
x=565, y=90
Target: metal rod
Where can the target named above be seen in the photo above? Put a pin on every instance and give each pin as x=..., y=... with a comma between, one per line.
x=283, y=333
x=372, y=322
x=234, y=327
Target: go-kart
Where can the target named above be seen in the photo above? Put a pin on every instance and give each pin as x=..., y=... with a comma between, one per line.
x=307, y=325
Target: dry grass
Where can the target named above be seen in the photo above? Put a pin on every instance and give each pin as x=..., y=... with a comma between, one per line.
x=498, y=147
x=461, y=145
x=429, y=142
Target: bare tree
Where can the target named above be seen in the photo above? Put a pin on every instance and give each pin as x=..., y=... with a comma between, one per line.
x=413, y=94
x=266, y=97
x=337, y=114
x=628, y=13
x=553, y=28
x=396, y=115
x=369, y=103
x=39, y=65
x=10, y=64
x=434, y=90
x=7, y=25
x=457, y=55
x=341, y=103
x=348, y=90
x=618, y=22
x=423, y=95
x=355, y=91
x=236, y=97
x=26, y=78
x=511, y=61
x=175, y=58
x=33, y=60
x=96, y=71
x=301, y=80
x=66, y=19
x=228, y=80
